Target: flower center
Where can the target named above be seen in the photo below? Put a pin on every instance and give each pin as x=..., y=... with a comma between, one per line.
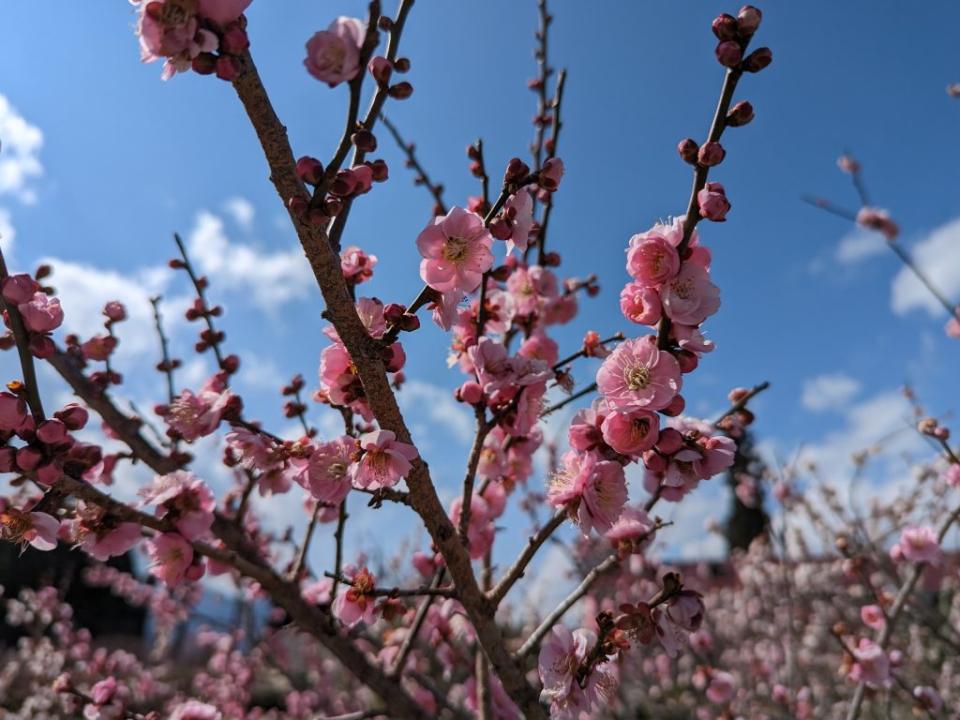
x=637, y=377
x=640, y=427
x=337, y=470
x=455, y=249
x=682, y=289
x=13, y=524
x=176, y=13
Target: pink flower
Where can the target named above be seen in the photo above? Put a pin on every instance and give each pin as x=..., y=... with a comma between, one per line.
x=651, y=258
x=170, y=29
x=19, y=288
x=952, y=475
x=42, y=313
x=871, y=665
x=480, y=531
x=384, y=461
x=686, y=610
x=690, y=297
x=184, y=499
x=195, y=710
x=633, y=532
x=953, y=327
x=13, y=412
x=551, y=173
x=333, y=55
x=357, y=266
x=713, y=202
x=873, y=617
x=32, y=528
x=640, y=304
x=631, y=432
x=223, y=12
x=638, y=375
x=584, y=432
x=355, y=603
x=877, y=219
x=456, y=252
x=560, y=659
x=519, y=211
x=593, y=490
x=110, y=541
x=328, y=470
x=720, y=689
x=194, y=416
x=171, y=557
x=919, y=544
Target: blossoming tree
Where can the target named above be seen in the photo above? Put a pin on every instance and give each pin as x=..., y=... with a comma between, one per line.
x=439, y=639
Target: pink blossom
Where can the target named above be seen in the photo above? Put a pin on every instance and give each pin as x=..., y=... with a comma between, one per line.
x=519, y=210
x=551, y=173
x=338, y=375
x=42, y=313
x=953, y=327
x=651, y=259
x=355, y=603
x=584, y=432
x=878, y=219
x=19, y=288
x=328, y=470
x=37, y=529
x=952, y=475
x=195, y=415
x=184, y=499
x=540, y=347
x=690, y=297
x=110, y=540
x=593, y=490
x=170, y=29
x=223, y=12
x=871, y=665
x=633, y=532
x=919, y=544
x=13, y=411
x=456, y=251
x=638, y=375
x=357, y=266
x=171, y=557
x=873, y=617
x=318, y=592
x=561, y=657
x=631, y=432
x=195, y=710
x=640, y=304
x=721, y=687
x=384, y=460
x=713, y=203
x=333, y=55
x=686, y=610
x=480, y=531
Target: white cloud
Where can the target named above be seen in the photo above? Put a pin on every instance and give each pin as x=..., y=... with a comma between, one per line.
x=7, y=232
x=938, y=256
x=270, y=278
x=242, y=212
x=84, y=290
x=19, y=161
x=859, y=245
x=436, y=406
x=829, y=392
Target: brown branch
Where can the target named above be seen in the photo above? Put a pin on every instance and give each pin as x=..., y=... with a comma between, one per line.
x=198, y=286
x=166, y=362
x=22, y=339
x=396, y=592
x=338, y=549
x=300, y=562
x=366, y=355
x=410, y=638
x=700, y=173
x=742, y=402
x=515, y=572
x=551, y=153
x=566, y=401
x=473, y=462
x=583, y=352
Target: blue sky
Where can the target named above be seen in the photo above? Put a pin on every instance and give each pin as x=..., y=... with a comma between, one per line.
x=124, y=159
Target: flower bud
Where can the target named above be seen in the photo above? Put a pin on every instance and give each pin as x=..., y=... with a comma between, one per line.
x=401, y=65
x=392, y=313
x=670, y=440
x=654, y=461
x=713, y=203
x=758, y=60
x=687, y=148
x=516, y=171
x=501, y=229
x=344, y=184
x=401, y=91
x=310, y=170
x=73, y=416
x=365, y=140
x=687, y=360
x=712, y=153
x=381, y=70
x=409, y=322
x=227, y=68
x=204, y=64
x=380, y=170
x=234, y=41
x=729, y=53
x=740, y=114
x=748, y=20
x=675, y=407
x=551, y=174
x=724, y=27
x=470, y=392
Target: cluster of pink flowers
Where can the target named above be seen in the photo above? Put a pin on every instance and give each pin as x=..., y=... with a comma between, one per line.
x=39, y=311
x=205, y=35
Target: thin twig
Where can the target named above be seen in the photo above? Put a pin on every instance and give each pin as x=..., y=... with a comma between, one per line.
x=422, y=178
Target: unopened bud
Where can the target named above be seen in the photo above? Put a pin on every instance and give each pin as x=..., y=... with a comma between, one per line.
x=725, y=27
x=748, y=20
x=740, y=114
x=758, y=60
x=310, y=170
x=688, y=148
x=729, y=53
x=712, y=153
x=401, y=91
